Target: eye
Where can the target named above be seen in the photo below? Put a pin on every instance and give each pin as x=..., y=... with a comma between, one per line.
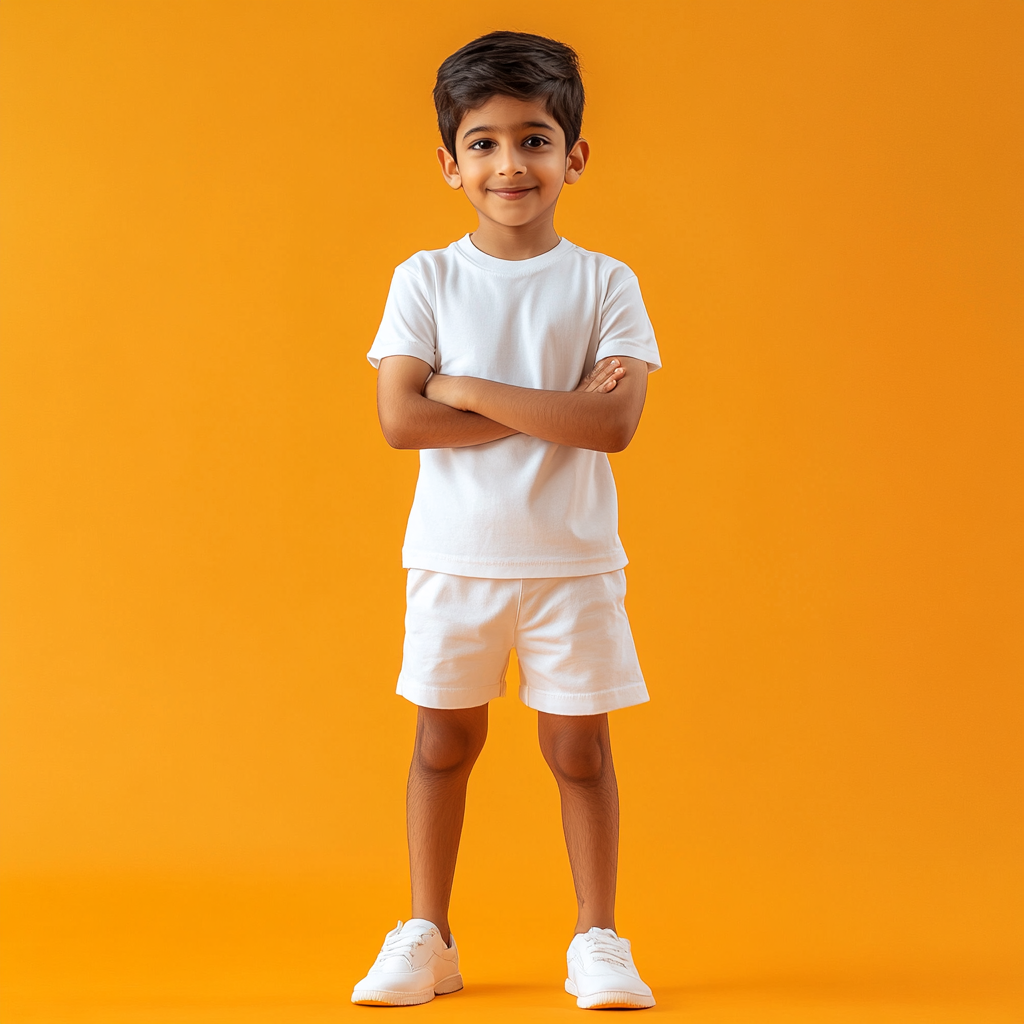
x=535, y=142
x=482, y=144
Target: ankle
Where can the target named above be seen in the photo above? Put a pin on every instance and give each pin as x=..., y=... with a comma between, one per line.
x=584, y=924
x=440, y=922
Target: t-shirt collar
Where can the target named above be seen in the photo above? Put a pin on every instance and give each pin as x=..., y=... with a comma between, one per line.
x=513, y=268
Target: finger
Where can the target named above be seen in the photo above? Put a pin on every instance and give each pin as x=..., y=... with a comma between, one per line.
x=605, y=367
x=613, y=376
x=600, y=373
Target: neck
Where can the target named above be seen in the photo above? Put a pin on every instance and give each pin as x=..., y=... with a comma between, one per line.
x=515, y=243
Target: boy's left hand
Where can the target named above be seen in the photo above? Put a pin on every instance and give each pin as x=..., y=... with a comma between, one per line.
x=604, y=376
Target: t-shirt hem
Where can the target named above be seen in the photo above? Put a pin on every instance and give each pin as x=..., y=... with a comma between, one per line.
x=400, y=348
x=513, y=570
x=626, y=348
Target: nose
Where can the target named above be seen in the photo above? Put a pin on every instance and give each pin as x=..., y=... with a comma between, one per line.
x=510, y=163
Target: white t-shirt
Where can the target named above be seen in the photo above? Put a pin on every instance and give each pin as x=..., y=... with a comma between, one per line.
x=518, y=507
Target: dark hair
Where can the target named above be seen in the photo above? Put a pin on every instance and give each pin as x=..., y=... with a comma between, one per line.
x=517, y=64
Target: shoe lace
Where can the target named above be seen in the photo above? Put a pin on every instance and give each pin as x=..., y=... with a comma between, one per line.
x=610, y=950
x=399, y=943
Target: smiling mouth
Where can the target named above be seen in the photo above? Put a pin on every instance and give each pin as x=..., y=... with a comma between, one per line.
x=510, y=193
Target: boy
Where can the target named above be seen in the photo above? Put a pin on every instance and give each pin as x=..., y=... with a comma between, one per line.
x=514, y=361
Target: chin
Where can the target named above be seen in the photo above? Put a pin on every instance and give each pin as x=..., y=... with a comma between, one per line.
x=513, y=218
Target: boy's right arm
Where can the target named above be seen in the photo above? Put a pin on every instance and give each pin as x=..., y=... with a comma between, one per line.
x=409, y=420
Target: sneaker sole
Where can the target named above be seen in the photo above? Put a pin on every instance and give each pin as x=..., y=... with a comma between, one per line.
x=381, y=997
x=610, y=1000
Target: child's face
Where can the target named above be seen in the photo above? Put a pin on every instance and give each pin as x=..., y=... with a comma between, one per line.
x=511, y=161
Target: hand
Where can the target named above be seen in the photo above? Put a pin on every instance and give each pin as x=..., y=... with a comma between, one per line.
x=603, y=377
x=442, y=388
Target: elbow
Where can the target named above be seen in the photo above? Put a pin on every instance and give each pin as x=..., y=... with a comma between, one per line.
x=402, y=444
x=396, y=436
x=618, y=438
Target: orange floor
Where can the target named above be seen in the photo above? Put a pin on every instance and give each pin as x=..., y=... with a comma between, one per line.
x=868, y=1001
x=501, y=1003
x=176, y=953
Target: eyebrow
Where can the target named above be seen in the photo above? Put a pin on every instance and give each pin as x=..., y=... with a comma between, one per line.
x=489, y=128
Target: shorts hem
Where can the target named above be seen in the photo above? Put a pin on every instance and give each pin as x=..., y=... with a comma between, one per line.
x=444, y=698
x=584, y=703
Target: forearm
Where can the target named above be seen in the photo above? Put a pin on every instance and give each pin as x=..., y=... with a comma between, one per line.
x=578, y=419
x=417, y=422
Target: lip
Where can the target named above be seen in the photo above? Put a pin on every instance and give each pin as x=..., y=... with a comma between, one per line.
x=511, y=194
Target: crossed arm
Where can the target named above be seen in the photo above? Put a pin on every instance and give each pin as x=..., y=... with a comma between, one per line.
x=454, y=412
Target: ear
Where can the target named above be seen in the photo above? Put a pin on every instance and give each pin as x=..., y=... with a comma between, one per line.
x=449, y=168
x=576, y=161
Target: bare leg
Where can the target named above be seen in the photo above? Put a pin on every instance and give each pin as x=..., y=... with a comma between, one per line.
x=448, y=743
x=578, y=752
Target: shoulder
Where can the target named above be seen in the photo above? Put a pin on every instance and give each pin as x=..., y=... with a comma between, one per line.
x=427, y=274
x=427, y=263
x=612, y=274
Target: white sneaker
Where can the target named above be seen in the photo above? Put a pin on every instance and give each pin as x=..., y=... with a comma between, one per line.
x=602, y=975
x=412, y=967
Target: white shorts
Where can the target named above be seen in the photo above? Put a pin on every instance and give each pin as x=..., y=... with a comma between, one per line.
x=571, y=635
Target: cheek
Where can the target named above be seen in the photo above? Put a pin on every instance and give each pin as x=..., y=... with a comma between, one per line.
x=554, y=176
x=474, y=178
x=552, y=169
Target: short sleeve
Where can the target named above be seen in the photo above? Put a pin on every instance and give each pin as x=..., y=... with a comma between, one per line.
x=626, y=328
x=408, y=327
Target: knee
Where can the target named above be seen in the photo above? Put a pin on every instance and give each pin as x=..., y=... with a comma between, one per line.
x=447, y=746
x=577, y=759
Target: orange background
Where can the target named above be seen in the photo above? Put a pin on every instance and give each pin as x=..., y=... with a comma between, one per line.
x=203, y=760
